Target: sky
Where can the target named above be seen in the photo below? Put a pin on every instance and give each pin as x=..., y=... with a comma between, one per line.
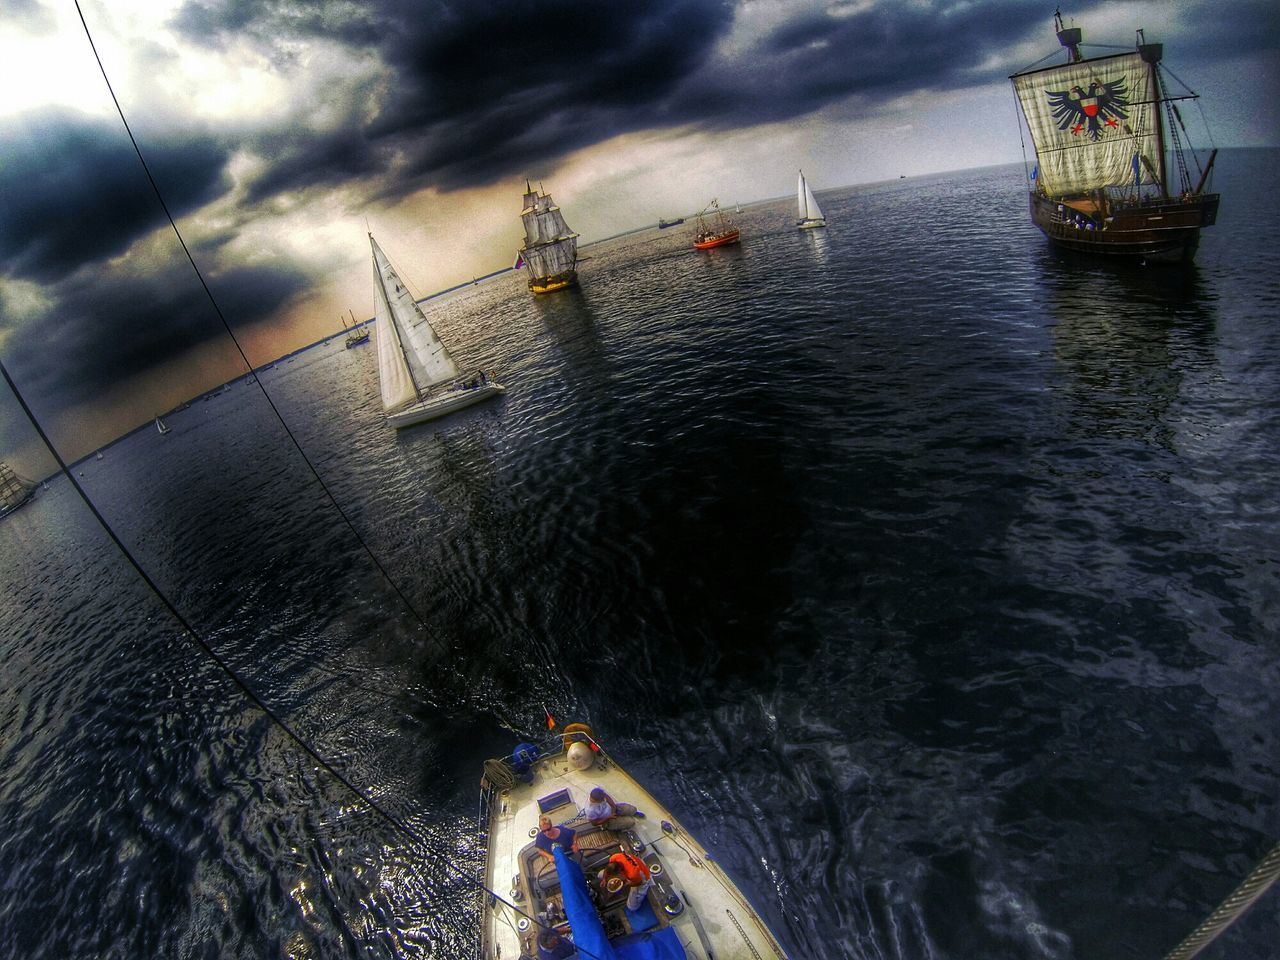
x=277, y=129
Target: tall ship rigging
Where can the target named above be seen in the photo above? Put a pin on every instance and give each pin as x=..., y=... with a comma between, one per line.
x=417, y=375
x=14, y=490
x=1105, y=130
x=550, y=248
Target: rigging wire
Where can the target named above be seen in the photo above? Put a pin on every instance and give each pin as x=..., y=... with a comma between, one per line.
x=189, y=630
x=155, y=187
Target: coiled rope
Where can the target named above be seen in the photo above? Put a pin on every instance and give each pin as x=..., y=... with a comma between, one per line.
x=1231, y=909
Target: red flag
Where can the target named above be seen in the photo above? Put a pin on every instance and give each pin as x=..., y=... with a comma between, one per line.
x=551, y=721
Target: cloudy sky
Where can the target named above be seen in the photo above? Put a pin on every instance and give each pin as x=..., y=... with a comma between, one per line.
x=276, y=128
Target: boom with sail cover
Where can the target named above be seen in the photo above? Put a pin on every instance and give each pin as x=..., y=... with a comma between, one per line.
x=810, y=214
x=1100, y=135
x=550, y=247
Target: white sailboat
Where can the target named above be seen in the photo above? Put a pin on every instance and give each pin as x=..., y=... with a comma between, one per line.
x=419, y=379
x=810, y=214
x=161, y=426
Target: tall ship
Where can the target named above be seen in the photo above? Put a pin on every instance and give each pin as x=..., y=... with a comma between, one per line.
x=808, y=213
x=579, y=856
x=550, y=248
x=714, y=228
x=1112, y=174
x=417, y=375
x=14, y=490
x=356, y=334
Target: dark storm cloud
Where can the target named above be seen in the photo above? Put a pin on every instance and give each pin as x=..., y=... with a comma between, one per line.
x=108, y=324
x=74, y=191
x=481, y=90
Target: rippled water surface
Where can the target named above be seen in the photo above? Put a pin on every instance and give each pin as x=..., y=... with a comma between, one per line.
x=929, y=575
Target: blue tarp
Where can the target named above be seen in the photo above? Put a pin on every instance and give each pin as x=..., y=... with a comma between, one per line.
x=587, y=932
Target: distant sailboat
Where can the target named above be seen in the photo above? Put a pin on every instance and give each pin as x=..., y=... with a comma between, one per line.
x=14, y=490
x=810, y=214
x=1101, y=182
x=714, y=228
x=161, y=426
x=419, y=380
x=356, y=334
x=550, y=248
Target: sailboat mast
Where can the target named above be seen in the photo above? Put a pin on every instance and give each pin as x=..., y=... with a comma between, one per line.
x=1069, y=37
x=1151, y=54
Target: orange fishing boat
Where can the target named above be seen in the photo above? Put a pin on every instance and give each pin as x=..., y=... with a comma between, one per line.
x=714, y=231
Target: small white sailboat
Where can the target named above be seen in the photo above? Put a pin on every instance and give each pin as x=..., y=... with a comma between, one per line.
x=161, y=426
x=810, y=214
x=418, y=378
x=686, y=908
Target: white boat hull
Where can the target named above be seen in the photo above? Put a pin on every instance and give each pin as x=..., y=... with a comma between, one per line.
x=711, y=917
x=441, y=405
x=810, y=224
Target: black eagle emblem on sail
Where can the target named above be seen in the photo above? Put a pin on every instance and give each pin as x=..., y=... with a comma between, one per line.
x=1090, y=111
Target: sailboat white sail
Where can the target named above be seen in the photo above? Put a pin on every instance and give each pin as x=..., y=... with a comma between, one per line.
x=810, y=214
x=161, y=426
x=417, y=375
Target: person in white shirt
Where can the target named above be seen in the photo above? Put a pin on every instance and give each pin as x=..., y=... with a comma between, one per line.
x=604, y=811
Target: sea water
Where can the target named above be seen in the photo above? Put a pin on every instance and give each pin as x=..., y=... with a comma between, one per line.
x=929, y=575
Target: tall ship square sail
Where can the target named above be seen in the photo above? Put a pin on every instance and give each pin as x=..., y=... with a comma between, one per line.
x=417, y=375
x=550, y=250
x=1104, y=130
x=14, y=490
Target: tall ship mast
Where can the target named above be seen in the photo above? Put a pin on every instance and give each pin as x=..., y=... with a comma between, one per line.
x=550, y=248
x=14, y=490
x=1104, y=130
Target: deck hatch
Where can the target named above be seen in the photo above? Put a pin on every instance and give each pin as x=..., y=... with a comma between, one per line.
x=553, y=801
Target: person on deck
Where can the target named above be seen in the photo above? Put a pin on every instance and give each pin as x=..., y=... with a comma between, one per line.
x=551, y=946
x=634, y=873
x=604, y=811
x=549, y=834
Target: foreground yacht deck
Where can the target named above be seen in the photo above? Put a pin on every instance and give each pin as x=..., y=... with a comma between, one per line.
x=692, y=910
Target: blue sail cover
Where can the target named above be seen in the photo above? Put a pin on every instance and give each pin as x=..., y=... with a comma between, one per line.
x=585, y=927
x=587, y=932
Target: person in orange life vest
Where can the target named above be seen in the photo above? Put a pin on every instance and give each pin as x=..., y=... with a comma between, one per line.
x=633, y=872
x=549, y=835
x=604, y=811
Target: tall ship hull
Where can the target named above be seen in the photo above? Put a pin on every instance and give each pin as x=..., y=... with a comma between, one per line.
x=1105, y=130
x=690, y=909
x=1160, y=231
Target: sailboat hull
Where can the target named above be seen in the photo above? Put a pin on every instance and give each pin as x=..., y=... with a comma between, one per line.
x=1156, y=231
x=443, y=404
x=707, y=241
x=810, y=224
